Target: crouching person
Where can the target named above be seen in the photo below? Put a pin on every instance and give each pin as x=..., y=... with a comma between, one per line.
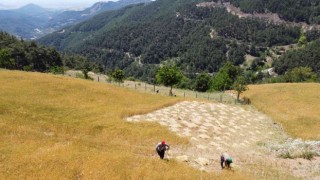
x=161, y=148
x=226, y=160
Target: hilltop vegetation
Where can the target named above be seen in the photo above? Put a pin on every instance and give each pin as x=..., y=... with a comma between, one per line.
x=198, y=39
x=308, y=56
x=24, y=55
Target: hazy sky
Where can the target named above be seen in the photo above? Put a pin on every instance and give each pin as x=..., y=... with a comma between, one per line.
x=50, y=3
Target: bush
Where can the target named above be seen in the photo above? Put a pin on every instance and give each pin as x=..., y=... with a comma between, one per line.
x=300, y=74
x=185, y=83
x=56, y=70
x=203, y=82
x=80, y=75
x=27, y=68
x=131, y=78
x=286, y=155
x=307, y=155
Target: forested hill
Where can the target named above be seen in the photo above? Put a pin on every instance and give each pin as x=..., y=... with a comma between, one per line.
x=28, y=56
x=196, y=38
x=292, y=10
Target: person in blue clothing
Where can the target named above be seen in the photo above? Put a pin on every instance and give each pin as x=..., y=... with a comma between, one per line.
x=161, y=148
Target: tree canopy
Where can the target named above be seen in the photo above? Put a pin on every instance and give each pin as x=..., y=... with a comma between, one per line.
x=307, y=56
x=23, y=55
x=169, y=76
x=118, y=75
x=225, y=78
x=203, y=82
x=240, y=85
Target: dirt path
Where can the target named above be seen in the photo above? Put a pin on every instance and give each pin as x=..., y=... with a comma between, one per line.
x=242, y=131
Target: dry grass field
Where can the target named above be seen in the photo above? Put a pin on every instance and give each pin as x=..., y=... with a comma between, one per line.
x=295, y=106
x=54, y=127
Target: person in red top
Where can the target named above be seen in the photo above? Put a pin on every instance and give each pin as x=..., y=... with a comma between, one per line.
x=161, y=148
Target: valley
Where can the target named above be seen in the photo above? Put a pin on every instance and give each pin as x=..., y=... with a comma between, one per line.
x=31, y=21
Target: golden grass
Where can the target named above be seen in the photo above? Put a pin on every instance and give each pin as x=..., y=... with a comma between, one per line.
x=54, y=127
x=295, y=106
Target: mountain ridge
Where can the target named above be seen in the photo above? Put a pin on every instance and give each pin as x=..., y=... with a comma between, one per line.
x=41, y=21
x=31, y=9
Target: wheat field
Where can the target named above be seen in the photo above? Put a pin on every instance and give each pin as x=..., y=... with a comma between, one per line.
x=295, y=106
x=54, y=127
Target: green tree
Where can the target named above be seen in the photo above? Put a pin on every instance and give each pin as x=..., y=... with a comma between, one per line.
x=169, y=76
x=225, y=77
x=300, y=74
x=237, y=53
x=118, y=75
x=240, y=86
x=86, y=69
x=203, y=82
x=302, y=39
x=5, y=60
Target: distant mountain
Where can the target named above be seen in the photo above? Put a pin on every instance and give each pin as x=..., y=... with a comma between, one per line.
x=32, y=10
x=32, y=21
x=28, y=22
x=3, y=6
x=71, y=17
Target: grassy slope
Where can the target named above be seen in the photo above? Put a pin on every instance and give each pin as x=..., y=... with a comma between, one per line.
x=295, y=106
x=54, y=127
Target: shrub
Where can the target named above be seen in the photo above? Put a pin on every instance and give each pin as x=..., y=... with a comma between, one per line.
x=286, y=155
x=27, y=68
x=131, y=78
x=56, y=70
x=300, y=74
x=79, y=75
x=307, y=155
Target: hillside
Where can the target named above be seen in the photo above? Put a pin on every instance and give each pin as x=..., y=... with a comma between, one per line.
x=196, y=38
x=58, y=127
x=26, y=22
x=32, y=21
x=295, y=106
x=71, y=17
x=290, y=10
